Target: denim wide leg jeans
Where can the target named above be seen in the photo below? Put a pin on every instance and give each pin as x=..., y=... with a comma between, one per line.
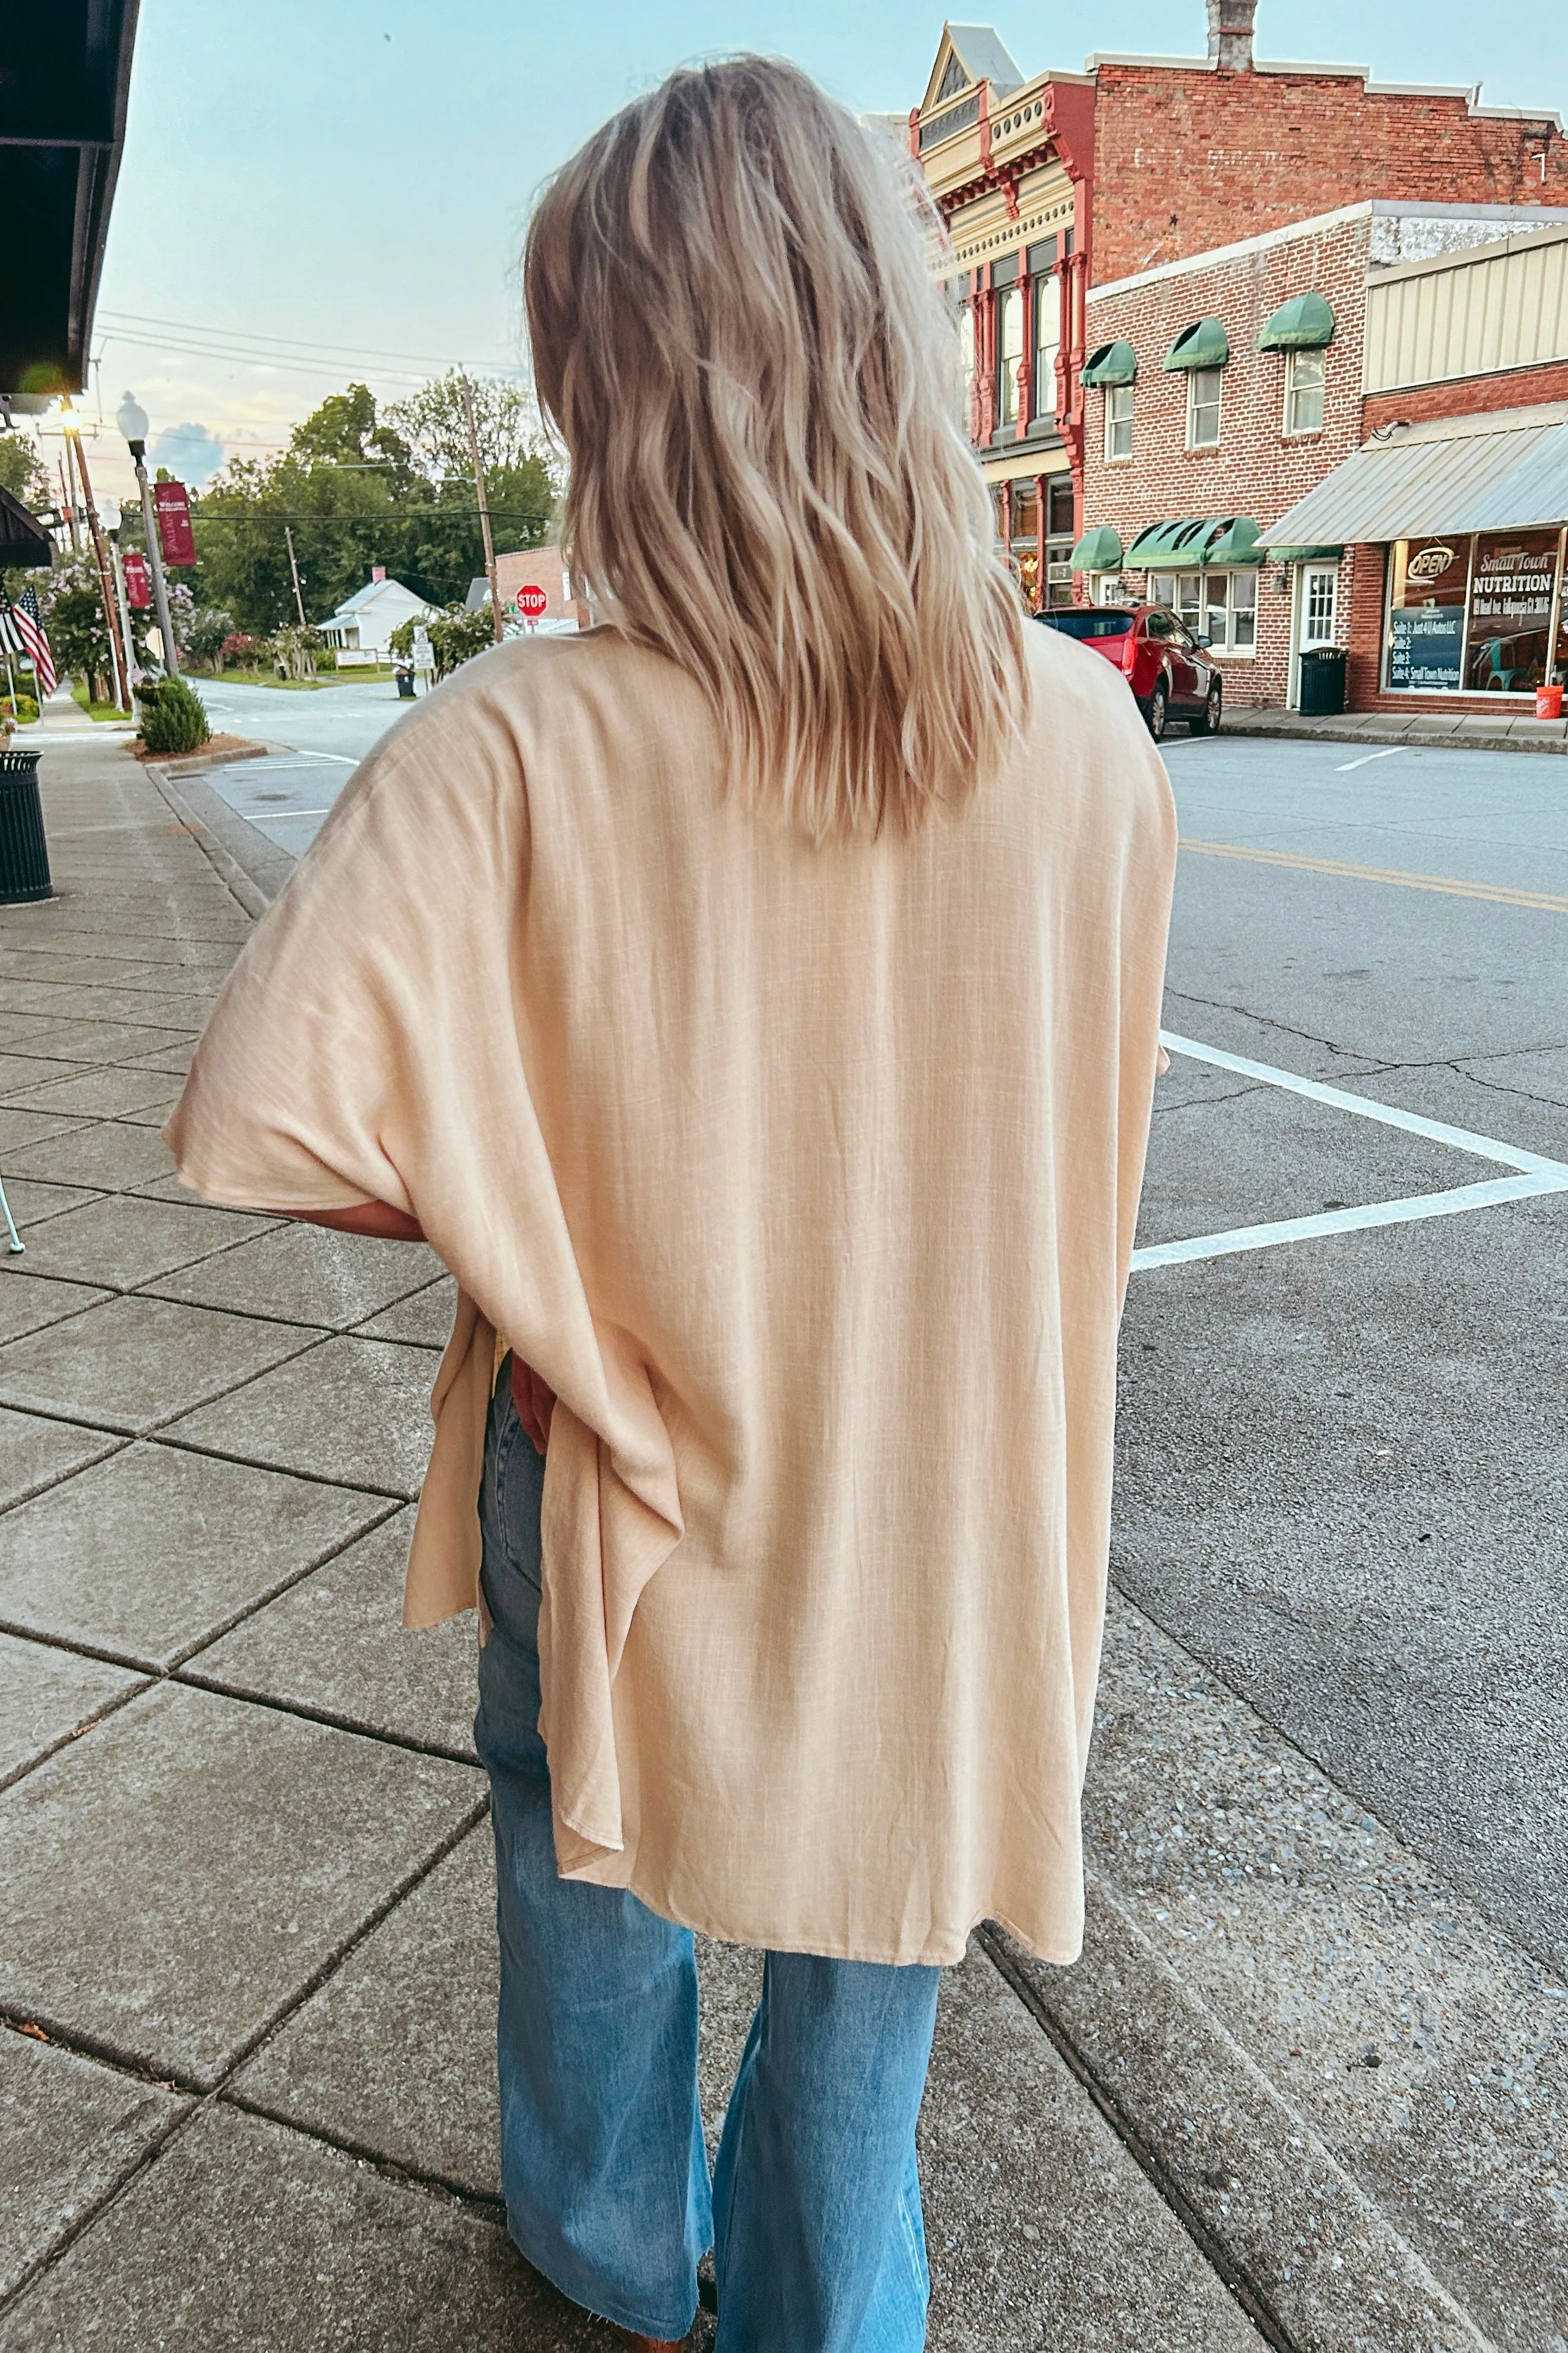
x=815, y=2210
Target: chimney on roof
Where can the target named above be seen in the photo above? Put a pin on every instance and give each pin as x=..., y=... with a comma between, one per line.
x=1230, y=34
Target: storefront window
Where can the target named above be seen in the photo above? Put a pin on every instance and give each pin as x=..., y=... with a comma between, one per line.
x=1426, y=599
x=1010, y=351
x=1514, y=580
x=1027, y=541
x=1219, y=606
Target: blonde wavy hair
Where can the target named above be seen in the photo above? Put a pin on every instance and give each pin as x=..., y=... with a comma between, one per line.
x=739, y=337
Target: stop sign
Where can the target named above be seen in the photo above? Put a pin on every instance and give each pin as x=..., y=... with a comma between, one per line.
x=532, y=604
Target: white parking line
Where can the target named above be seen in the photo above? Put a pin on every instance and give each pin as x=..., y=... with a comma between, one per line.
x=1536, y=1174
x=1367, y=760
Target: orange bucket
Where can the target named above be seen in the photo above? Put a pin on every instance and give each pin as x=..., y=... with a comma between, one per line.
x=1548, y=702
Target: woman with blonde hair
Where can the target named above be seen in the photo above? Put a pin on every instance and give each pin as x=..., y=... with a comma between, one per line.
x=753, y=1001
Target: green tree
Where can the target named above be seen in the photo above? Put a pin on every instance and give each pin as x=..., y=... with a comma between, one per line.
x=72, y=609
x=22, y=472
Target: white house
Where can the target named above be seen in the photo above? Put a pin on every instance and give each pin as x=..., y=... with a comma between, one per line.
x=364, y=623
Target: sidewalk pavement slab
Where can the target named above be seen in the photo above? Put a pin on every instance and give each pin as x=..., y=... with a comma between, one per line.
x=33, y=1203
x=19, y=1128
x=20, y=1072
x=156, y=1552
x=35, y=1452
x=423, y=1319
x=396, y=2054
x=307, y=1274
x=34, y=1304
x=173, y=1880
x=241, y=2234
x=334, y=1645
x=133, y=1362
x=109, y=1155
x=48, y=1695
x=90, y=1042
x=353, y=1410
x=72, y=2131
x=94, y=1094
x=124, y=1239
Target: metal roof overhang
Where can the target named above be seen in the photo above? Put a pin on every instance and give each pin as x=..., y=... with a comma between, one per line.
x=1510, y=477
x=64, y=74
x=23, y=538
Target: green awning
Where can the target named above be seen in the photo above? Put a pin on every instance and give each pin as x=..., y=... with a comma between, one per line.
x=1237, y=543
x=1305, y=324
x=1301, y=554
x=1112, y=364
x=1203, y=344
x=1170, y=543
x=1099, y=550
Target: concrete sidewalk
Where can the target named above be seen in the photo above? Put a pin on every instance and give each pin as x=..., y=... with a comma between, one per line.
x=1298, y=2093
x=1476, y=730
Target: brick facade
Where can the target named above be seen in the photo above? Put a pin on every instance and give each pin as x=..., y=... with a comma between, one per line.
x=1186, y=157
x=1256, y=469
x=1467, y=396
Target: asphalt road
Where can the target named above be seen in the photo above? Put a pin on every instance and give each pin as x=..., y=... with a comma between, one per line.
x=1344, y=1459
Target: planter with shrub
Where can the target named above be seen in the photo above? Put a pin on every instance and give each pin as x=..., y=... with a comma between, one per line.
x=173, y=719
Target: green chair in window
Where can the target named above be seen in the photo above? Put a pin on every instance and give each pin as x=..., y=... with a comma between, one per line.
x=1498, y=678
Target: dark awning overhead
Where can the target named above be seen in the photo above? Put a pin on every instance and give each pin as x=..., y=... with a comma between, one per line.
x=1187, y=545
x=65, y=71
x=1112, y=364
x=1236, y=542
x=23, y=538
x=1171, y=542
x=1305, y=324
x=1203, y=344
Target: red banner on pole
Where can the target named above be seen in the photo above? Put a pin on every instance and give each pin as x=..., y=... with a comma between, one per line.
x=172, y=507
x=138, y=579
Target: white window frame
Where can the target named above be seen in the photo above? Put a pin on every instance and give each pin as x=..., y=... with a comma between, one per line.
x=1294, y=429
x=1043, y=375
x=1009, y=307
x=1113, y=423
x=1196, y=408
x=1192, y=596
x=1313, y=575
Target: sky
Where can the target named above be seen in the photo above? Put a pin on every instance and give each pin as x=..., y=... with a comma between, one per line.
x=351, y=179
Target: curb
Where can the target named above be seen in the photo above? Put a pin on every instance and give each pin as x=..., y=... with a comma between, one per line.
x=1418, y=738
x=251, y=869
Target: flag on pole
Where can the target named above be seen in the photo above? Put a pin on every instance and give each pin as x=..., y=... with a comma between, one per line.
x=34, y=642
x=10, y=636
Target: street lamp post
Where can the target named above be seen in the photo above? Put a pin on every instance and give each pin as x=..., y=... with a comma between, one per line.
x=111, y=525
x=131, y=420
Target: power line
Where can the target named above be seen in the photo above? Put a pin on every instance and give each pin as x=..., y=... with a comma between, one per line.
x=238, y=335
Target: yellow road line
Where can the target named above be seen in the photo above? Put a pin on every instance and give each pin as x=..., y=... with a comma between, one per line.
x=1447, y=882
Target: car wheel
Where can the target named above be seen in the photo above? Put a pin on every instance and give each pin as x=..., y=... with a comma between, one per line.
x=1206, y=722
x=1155, y=711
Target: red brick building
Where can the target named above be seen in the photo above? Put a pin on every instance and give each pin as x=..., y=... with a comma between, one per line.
x=1058, y=183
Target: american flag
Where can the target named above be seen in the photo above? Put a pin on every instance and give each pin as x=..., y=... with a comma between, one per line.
x=10, y=636
x=35, y=643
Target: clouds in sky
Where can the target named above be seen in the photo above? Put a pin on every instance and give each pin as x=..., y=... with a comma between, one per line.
x=190, y=453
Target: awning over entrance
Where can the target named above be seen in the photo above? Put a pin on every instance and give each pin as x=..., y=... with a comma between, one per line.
x=1305, y=324
x=1099, y=550
x=1506, y=472
x=1223, y=541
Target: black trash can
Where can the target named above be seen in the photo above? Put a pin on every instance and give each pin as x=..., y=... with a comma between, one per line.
x=24, y=852
x=405, y=684
x=1323, y=683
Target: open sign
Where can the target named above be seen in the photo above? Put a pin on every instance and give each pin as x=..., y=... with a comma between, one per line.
x=531, y=603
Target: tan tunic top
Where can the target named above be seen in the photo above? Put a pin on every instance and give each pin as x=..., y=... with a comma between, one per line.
x=808, y=1179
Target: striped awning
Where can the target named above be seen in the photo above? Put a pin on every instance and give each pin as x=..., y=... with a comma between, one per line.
x=1506, y=472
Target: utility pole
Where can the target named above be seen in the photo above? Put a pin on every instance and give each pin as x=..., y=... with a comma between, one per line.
x=484, y=510
x=120, y=660
x=299, y=600
x=68, y=501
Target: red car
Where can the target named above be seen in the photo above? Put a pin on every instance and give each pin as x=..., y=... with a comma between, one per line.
x=1167, y=668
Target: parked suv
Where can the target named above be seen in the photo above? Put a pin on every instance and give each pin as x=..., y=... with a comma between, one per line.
x=1168, y=669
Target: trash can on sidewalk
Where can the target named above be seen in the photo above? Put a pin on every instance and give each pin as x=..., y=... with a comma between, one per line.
x=405, y=685
x=1323, y=683
x=24, y=852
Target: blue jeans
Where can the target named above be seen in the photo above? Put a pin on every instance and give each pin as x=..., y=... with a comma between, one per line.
x=815, y=2211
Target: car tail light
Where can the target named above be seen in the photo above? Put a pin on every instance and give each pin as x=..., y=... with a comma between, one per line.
x=1130, y=651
